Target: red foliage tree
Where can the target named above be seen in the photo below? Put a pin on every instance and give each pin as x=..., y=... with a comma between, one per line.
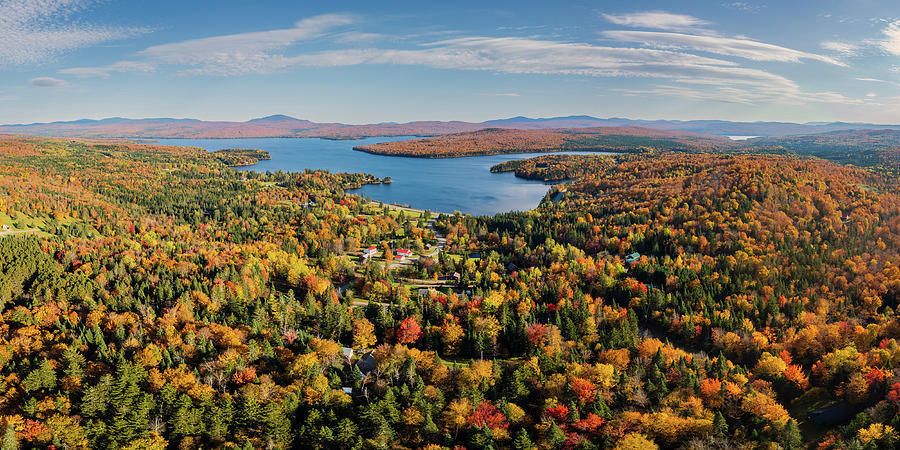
x=244, y=376
x=487, y=415
x=584, y=389
x=409, y=331
x=590, y=424
x=559, y=412
x=536, y=333
x=894, y=394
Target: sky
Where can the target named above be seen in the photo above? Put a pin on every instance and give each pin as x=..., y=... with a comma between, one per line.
x=392, y=61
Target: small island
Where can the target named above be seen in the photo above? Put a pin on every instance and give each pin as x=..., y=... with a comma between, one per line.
x=238, y=157
x=552, y=168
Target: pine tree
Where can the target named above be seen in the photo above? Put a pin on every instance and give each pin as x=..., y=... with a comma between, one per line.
x=482, y=437
x=43, y=377
x=429, y=428
x=187, y=419
x=574, y=415
x=522, y=441
x=599, y=406
x=790, y=438
x=720, y=426
x=217, y=421
x=96, y=398
x=555, y=437
x=130, y=407
x=10, y=442
x=74, y=362
x=347, y=433
x=249, y=414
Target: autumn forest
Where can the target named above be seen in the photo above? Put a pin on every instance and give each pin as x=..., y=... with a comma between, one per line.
x=682, y=293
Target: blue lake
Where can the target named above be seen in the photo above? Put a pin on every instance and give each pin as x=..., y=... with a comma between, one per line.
x=441, y=185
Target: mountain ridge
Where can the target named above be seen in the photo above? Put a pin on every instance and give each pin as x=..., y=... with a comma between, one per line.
x=280, y=125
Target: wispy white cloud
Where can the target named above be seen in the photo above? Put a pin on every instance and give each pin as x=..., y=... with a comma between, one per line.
x=106, y=71
x=255, y=52
x=34, y=31
x=725, y=80
x=744, y=6
x=744, y=96
x=891, y=42
x=844, y=48
x=48, y=82
x=742, y=48
x=879, y=80
x=656, y=19
x=529, y=56
x=355, y=37
x=720, y=94
x=679, y=58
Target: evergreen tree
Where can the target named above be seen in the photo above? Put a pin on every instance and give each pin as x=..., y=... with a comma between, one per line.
x=790, y=437
x=522, y=441
x=720, y=426
x=429, y=428
x=43, y=377
x=347, y=434
x=10, y=442
x=277, y=426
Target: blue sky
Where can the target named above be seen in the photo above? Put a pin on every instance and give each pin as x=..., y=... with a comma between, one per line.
x=368, y=62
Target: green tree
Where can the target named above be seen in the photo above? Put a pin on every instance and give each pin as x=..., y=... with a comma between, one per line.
x=720, y=426
x=522, y=441
x=43, y=377
x=10, y=442
x=790, y=437
x=555, y=436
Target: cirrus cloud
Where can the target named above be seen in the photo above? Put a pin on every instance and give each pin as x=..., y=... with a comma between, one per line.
x=844, y=48
x=656, y=19
x=257, y=48
x=742, y=48
x=685, y=58
x=106, y=71
x=35, y=31
x=48, y=82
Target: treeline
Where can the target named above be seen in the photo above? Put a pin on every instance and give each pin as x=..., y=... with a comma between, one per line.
x=492, y=141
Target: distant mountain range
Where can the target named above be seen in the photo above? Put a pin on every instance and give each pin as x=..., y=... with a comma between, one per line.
x=285, y=126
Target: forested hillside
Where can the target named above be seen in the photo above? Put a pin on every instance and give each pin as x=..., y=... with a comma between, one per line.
x=862, y=147
x=494, y=141
x=670, y=300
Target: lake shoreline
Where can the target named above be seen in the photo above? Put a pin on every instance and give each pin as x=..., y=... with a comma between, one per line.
x=444, y=184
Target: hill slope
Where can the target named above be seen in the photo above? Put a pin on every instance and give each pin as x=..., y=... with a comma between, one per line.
x=494, y=141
